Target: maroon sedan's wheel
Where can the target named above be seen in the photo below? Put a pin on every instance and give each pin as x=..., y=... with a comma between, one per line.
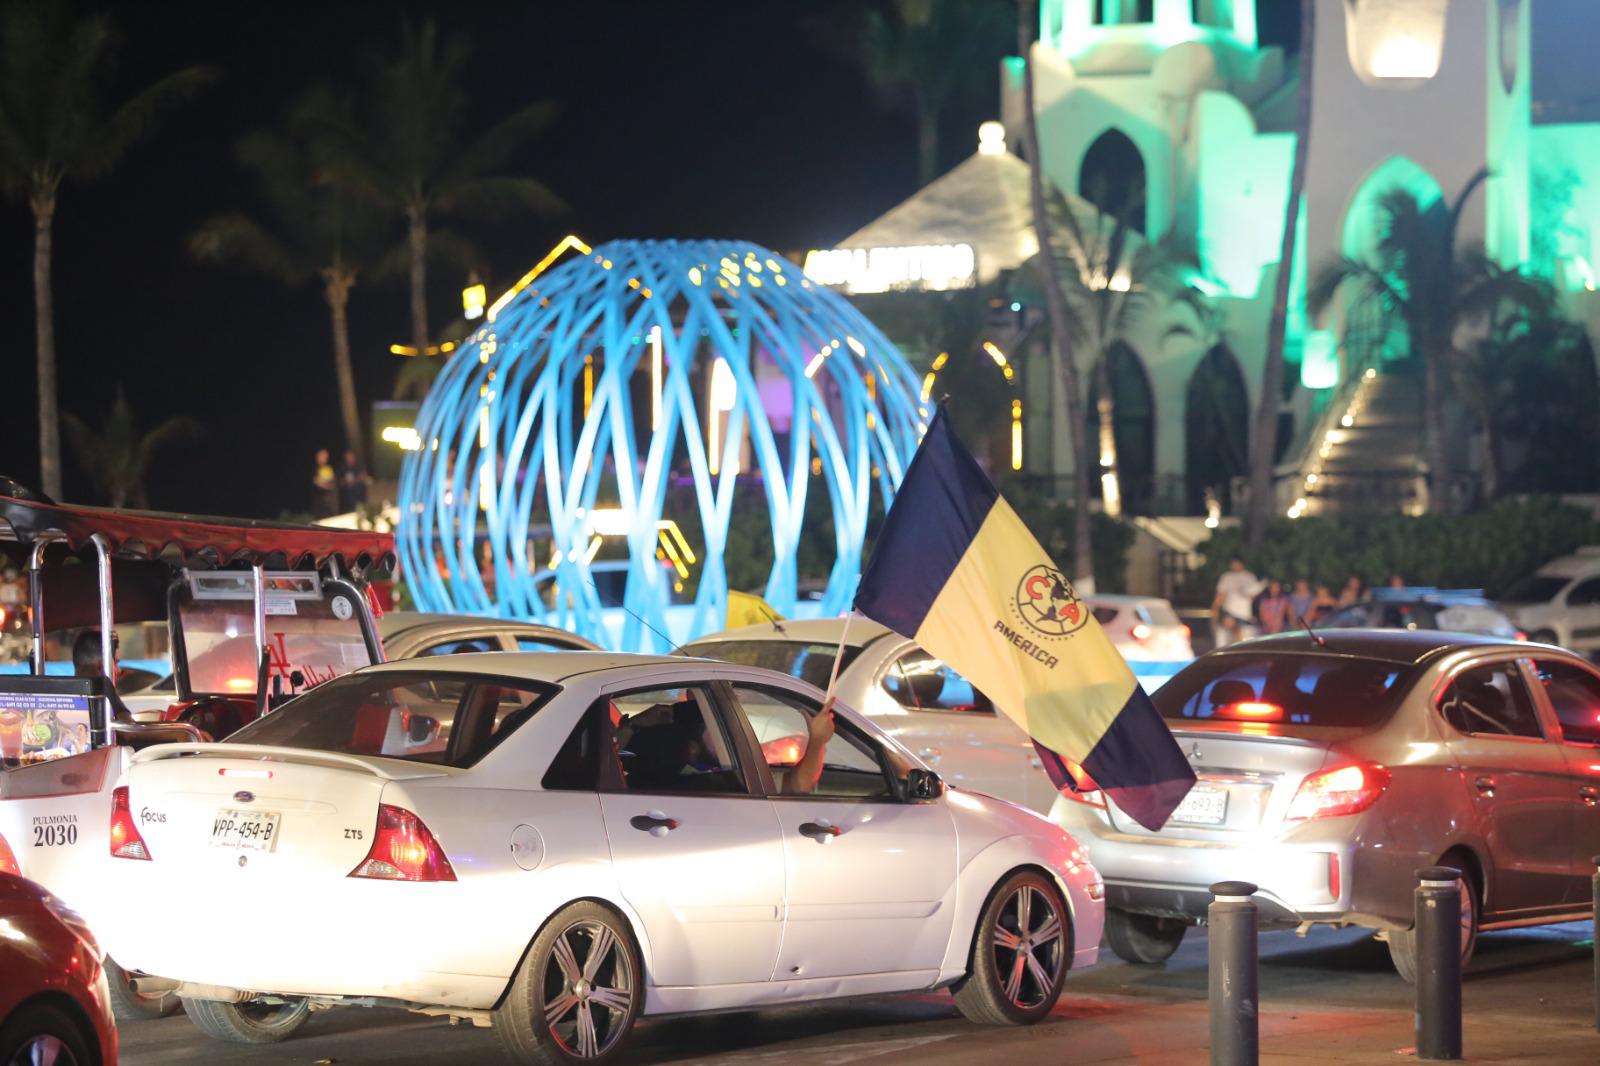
x=42, y=1033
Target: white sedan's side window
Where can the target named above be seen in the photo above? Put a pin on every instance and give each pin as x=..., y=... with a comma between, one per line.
x=850, y=766
x=671, y=740
x=919, y=682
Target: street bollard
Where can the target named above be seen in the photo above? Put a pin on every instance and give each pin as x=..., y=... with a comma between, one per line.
x=1438, y=940
x=1231, y=944
x=1594, y=895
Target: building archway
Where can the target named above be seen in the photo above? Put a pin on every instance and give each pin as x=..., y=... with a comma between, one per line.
x=1374, y=334
x=1216, y=429
x=1135, y=431
x=1112, y=177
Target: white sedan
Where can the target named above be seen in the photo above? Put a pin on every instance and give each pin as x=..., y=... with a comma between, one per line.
x=554, y=844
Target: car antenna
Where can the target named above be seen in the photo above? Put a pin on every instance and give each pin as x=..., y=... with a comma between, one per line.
x=631, y=614
x=1312, y=633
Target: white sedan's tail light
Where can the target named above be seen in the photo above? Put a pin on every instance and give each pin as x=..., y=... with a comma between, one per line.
x=1348, y=789
x=126, y=843
x=403, y=850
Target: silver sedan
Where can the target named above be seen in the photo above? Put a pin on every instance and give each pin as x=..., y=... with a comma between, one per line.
x=1331, y=767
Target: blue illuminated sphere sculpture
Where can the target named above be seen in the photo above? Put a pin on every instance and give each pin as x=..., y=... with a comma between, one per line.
x=644, y=379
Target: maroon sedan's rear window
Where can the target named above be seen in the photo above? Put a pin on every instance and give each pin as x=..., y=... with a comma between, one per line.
x=1286, y=688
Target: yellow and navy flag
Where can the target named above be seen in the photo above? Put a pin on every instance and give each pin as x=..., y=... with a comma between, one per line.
x=956, y=570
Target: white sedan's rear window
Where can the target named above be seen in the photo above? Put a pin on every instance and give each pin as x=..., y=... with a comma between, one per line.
x=450, y=719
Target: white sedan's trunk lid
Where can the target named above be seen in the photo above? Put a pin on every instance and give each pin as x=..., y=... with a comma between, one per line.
x=251, y=815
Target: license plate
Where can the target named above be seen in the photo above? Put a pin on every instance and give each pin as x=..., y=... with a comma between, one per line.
x=1202, y=806
x=245, y=830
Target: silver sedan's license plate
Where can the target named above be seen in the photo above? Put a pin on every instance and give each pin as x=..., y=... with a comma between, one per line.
x=245, y=830
x=1203, y=805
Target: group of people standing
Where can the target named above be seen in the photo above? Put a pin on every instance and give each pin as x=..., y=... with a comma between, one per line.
x=338, y=491
x=1247, y=606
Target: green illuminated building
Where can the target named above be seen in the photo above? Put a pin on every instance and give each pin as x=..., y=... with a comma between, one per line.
x=1178, y=96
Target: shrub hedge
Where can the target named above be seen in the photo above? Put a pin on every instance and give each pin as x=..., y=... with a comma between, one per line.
x=1487, y=549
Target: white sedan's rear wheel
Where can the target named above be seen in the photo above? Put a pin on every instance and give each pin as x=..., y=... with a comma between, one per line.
x=252, y=1022
x=130, y=1005
x=578, y=993
x=1021, y=952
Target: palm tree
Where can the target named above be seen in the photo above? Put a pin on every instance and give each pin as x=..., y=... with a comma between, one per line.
x=1110, y=278
x=405, y=148
x=1434, y=289
x=312, y=228
x=118, y=454
x=1060, y=314
x=1525, y=334
x=1264, y=440
x=57, y=121
x=923, y=52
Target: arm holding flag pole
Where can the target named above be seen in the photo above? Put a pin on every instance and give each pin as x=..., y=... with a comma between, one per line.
x=803, y=779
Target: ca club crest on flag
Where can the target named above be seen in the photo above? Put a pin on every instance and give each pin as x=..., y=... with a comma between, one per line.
x=945, y=573
x=1048, y=604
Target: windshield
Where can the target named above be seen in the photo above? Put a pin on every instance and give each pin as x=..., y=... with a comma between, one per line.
x=806, y=660
x=315, y=634
x=1291, y=689
x=1536, y=588
x=449, y=719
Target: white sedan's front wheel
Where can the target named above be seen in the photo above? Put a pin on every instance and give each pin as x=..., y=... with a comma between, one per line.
x=251, y=1022
x=1020, y=953
x=578, y=993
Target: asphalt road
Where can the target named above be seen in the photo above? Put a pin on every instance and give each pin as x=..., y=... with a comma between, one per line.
x=1330, y=997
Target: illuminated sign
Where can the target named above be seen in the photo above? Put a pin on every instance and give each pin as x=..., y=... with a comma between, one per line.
x=918, y=266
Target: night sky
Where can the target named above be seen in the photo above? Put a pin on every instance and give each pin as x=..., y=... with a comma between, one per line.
x=680, y=118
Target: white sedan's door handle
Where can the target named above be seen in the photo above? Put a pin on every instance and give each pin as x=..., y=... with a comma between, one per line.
x=820, y=831
x=655, y=823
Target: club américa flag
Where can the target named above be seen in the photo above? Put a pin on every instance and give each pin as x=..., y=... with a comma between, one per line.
x=956, y=570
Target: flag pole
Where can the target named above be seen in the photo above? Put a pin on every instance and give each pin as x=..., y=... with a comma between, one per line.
x=838, y=656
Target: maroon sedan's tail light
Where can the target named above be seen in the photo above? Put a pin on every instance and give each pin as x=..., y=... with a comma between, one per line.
x=8, y=860
x=1348, y=789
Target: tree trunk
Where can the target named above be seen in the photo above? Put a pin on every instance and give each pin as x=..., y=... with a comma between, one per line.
x=1440, y=496
x=44, y=210
x=927, y=144
x=1490, y=479
x=1264, y=439
x=417, y=242
x=337, y=282
x=1060, y=318
x=1106, y=460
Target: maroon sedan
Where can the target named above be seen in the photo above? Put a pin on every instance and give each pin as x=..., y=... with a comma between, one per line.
x=53, y=998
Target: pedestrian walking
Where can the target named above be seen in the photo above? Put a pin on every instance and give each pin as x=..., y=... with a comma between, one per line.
x=353, y=482
x=1231, y=615
x=1272, y=609
x=1300, y=602
x=1354, y=591
x=1323, y=604
x=325, y=485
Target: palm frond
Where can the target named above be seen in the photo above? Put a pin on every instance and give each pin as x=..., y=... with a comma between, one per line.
x=137, y=116
x=239, y=240
x=495, y=197
x=495, y=146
